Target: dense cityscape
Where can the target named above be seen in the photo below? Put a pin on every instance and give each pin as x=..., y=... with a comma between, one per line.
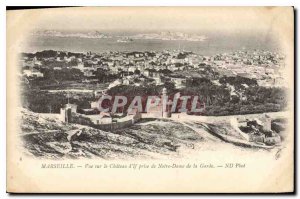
x=67, y=86
x=236, y=74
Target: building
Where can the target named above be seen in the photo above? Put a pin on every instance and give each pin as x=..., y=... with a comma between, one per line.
x=88, y=111
x=166, y=104
x=102, y=118
x=273, y=138
x=146, y=73
x=125, y=82
x=89, y=73
x=73, y=107
x=66, y=114
x=259, y=131
x=158, y=80
x=179, y=82
x=256, y=137
x=32, y=73
x=163, y=108
x=265, y=122
x=95, y=105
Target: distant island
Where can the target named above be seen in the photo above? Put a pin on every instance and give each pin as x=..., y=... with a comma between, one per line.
x=124, y=40
x=172, y=36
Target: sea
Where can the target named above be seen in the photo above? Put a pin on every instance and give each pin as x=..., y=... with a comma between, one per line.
x=216, y=43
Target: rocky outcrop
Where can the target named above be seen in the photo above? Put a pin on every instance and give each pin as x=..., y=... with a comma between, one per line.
x=46, y=137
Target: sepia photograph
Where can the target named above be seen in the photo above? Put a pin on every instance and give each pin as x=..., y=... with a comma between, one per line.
x=108, y=99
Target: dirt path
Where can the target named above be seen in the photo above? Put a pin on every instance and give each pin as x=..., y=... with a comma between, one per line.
x=202, y=132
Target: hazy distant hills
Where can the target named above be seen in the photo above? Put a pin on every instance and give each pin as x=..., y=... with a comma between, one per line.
x=167, y=35
x=54, y=33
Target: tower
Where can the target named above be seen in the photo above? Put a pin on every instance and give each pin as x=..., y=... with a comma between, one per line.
x=66, y=114
x=267, y=123
x=166, y=110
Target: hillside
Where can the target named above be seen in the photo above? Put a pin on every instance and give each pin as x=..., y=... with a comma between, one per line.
x=46, y=137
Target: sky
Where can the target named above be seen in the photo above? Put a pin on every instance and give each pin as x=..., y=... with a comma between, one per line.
x=195, y=19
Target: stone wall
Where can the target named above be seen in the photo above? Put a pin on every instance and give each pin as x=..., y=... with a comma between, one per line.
x=79, y=119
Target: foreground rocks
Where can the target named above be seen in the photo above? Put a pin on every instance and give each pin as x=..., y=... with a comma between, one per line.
x=46, y=137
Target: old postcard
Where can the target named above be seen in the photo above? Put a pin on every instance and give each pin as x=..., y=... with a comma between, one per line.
x=150, y=100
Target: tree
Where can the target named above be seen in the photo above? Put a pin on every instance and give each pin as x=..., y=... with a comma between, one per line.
x=137, y=72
